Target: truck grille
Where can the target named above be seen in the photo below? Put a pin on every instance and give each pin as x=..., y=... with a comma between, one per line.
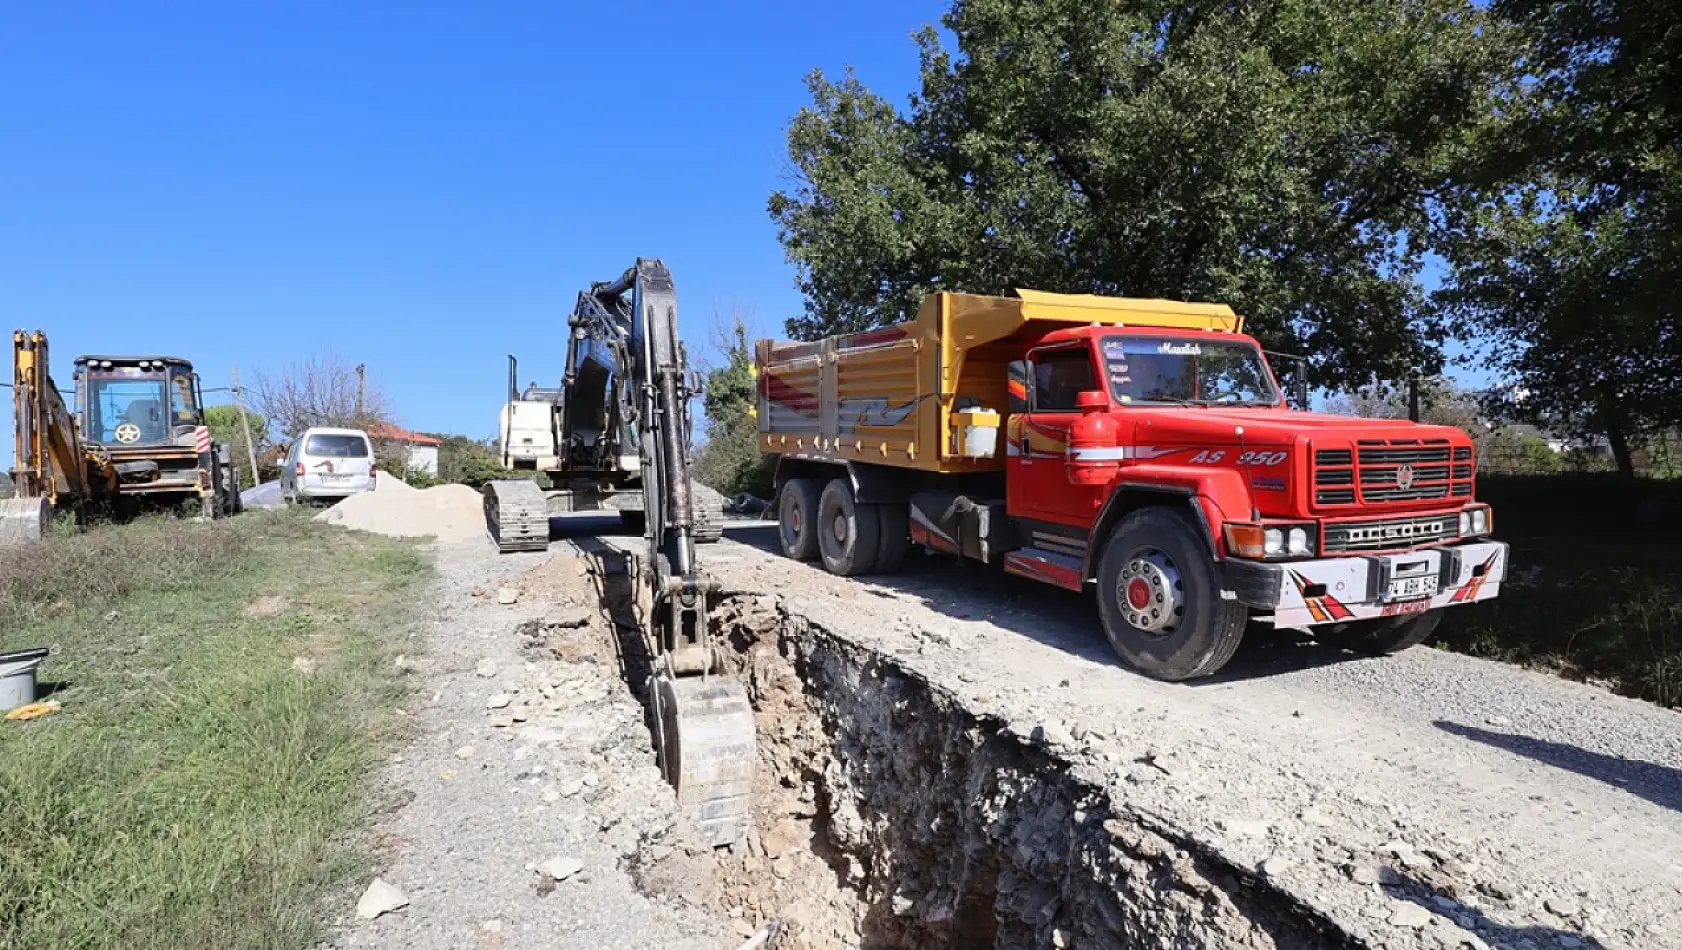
x=1390, y=534
x=1390, y=471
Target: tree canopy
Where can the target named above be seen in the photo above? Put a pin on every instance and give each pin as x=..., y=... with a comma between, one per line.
x=1279, y=156
x=1566, y=242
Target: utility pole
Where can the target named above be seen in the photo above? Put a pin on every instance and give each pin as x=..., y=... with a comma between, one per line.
x=361, y=386
x=245, y=423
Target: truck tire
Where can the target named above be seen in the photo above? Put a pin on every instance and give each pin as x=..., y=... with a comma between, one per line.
x=848, y=533
x=1160, y=601
x=895, y=541
x=1383, y=636
x=797, y=519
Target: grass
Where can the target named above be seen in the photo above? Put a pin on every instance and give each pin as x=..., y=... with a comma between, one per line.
x=1595, y=591
x=197, y=790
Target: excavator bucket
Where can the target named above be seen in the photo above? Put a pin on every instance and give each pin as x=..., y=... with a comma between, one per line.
x=706, y=744
x=23, y=519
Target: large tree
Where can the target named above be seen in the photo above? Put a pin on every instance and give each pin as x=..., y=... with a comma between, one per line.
x=1566, y=241
x=1279, y=156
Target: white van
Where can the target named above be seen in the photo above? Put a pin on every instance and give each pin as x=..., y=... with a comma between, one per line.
x=327, y=464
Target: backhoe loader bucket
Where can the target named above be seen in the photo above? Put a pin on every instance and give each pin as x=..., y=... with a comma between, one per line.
x=24, y=519
x=705, y=738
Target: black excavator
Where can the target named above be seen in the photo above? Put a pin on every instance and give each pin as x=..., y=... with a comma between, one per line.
x=624, y=400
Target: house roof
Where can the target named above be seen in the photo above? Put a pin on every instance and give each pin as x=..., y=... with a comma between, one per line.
x=380, y=430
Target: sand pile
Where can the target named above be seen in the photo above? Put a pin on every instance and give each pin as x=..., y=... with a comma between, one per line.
x=393, y=508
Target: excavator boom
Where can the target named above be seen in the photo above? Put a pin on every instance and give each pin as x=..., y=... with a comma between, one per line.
x=628, y=387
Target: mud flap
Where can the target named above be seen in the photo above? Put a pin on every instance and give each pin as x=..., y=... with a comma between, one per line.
x=705, y=738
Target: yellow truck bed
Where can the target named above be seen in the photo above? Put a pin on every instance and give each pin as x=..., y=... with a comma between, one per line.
x=921, y=394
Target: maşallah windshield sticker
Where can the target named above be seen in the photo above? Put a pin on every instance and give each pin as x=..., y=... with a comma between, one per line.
x=1115, y=347
x=1180, y=349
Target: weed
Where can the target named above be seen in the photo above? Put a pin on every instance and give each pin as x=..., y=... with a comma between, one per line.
x=1596, y=589
x=196, y=789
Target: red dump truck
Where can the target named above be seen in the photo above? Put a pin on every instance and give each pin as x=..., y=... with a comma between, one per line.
x=1141, y=449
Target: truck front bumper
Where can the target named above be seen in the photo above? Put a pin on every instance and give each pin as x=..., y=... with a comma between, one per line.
x=1297, y=594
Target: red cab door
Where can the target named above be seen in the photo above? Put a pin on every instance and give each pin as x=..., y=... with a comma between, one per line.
x=1036, y=475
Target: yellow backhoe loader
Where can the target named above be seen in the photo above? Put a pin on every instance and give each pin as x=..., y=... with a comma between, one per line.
x=136, y=433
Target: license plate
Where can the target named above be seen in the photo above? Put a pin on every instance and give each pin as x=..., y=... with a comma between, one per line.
x=1403, y=588
x=334, y=479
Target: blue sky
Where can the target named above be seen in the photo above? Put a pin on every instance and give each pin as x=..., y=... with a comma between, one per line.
x=421, y=187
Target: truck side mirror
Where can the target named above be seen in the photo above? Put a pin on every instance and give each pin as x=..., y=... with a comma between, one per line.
x=1091, y=400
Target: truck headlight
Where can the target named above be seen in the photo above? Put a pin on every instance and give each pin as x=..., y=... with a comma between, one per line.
x=1297, y=544
x=1269, y=541
x=1476, y=522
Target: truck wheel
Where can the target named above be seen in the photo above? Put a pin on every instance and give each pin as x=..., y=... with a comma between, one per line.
x=848, y=533
x=895, y=542
x=797, y=518
x=1385, y=635
x=1159, y=599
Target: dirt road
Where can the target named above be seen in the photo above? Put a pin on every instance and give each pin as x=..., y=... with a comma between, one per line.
x=951, y=757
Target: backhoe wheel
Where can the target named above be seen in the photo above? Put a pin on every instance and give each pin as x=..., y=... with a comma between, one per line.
x=895, y=542
x=1385, y=635
x=797, y=518
x=1159, y=599
x=848, y=532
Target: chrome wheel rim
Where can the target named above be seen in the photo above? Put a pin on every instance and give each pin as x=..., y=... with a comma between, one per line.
x=1151, y=592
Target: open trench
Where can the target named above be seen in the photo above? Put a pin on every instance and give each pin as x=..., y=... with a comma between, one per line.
x=888, y=815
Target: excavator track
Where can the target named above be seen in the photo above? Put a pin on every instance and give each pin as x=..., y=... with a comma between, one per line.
x=709, y=514
x=517, y=515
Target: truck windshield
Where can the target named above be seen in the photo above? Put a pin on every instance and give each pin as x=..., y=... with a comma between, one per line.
x=127, y=411
x=1182, y=371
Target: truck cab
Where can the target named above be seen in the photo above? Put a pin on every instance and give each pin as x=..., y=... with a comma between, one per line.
x=1146, y=455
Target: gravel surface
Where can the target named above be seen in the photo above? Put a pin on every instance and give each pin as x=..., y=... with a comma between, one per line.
x=1511, y=807
x=525, y=769
x=1420, y=801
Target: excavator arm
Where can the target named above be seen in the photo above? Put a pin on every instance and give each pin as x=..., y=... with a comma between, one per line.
x=52, y=468
x=627, y=390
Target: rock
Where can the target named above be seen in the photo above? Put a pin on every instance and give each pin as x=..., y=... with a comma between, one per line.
x=1080, y=729
x=902, y=905
x=1365, y=873
x=502, y=722
x=303, y=664
x=551, y=796
x=1315, y=818
x=1498, y=721
x=1059, y=938
x=1142, y=775
x=559, y=869
x=1498, y=890
x=486, y=668
x=782, y=866
x=744, y=928
x=465, y=752
x=507, y=595
x=1563, y=906
x=591, y=780
x=499, y=701
x=1056, y=733
x=380, y=898
x=1246, y=829
x=1275, y=865
x=1410, y=915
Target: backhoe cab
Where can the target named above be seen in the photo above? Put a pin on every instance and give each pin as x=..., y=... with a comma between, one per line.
x=147, y=414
